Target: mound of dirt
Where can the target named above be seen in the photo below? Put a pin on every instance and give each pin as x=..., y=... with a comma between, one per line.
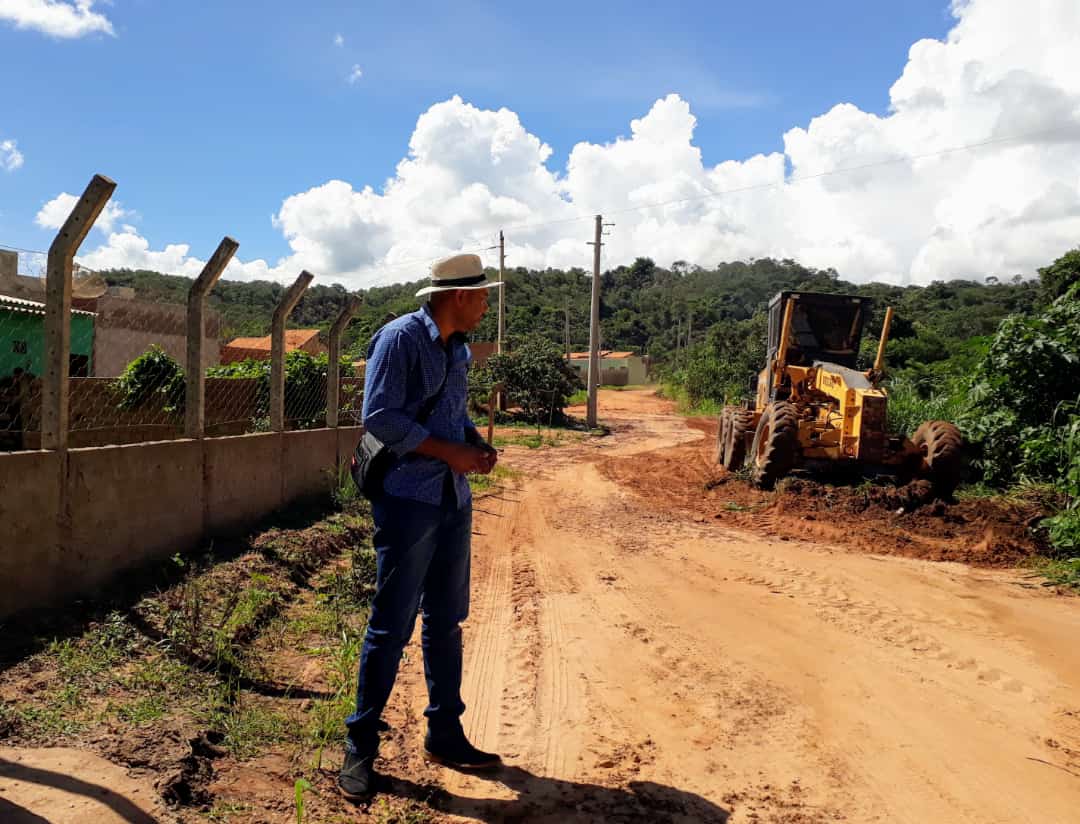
x=881, y=518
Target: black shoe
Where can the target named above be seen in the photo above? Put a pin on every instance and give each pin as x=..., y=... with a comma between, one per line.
x=356, y=781
x=457, y=752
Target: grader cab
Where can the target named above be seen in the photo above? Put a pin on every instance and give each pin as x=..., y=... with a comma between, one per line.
x=812, y=406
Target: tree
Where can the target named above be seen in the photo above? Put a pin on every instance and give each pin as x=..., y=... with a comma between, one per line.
x=1059, y=276
x=1030, y=369
x=721, y=368
x=536, y=377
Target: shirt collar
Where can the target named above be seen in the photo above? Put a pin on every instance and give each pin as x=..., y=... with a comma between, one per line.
x=429, y=322
x=456, y=341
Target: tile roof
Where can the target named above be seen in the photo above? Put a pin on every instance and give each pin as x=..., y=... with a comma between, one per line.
x=294, y=339
x=31, y=307
x=605, y=354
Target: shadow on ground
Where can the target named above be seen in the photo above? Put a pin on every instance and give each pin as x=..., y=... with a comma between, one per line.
x=549, y=800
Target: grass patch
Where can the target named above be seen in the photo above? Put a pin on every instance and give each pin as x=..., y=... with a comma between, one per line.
x=1062, y=572
x=327, y=716
x=223, y=811
x=528, y=435
x=685, y=405
x=401, y=812
x=250, y=726
x=483, y=483
x=143, y=710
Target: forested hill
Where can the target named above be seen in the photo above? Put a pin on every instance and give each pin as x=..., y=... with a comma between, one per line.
x=644, y=306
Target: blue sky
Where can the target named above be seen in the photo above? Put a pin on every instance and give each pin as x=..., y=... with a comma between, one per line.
x=209, y=116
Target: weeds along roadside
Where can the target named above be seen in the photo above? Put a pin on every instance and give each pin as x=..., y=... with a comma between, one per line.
x=249, y=647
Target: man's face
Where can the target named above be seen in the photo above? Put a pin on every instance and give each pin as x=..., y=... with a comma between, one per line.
x=472, y=306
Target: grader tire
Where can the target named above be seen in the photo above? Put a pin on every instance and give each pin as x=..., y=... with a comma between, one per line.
x=739, y=423
x=721, y=435
x=776, y=445
x=942, y=448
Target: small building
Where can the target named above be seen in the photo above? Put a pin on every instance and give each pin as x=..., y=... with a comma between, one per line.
x=616, y=368
x=241, y=349
x=126, y=328
x=22, y=338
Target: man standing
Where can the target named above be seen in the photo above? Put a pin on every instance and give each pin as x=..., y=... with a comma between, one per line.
x=415, y=402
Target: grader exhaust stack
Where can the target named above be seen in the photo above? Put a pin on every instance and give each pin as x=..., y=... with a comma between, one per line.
x=879, y=361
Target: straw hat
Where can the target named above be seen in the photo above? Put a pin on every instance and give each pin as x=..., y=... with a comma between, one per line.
x=458, y=272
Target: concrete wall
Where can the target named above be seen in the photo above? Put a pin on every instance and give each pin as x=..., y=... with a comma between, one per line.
x=9, y=265
x=70, y=523
x=30, y=550
x=124, y=329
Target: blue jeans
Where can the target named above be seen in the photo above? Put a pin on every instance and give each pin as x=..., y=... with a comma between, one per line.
x=423, y=557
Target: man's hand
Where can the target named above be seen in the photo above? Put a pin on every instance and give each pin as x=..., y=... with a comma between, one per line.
x=465, y=459
x=491, y=456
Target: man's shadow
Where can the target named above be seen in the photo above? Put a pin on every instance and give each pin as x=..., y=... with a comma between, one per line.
x=542, y=799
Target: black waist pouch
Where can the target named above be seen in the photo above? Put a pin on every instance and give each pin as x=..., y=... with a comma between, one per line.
x=371, y=461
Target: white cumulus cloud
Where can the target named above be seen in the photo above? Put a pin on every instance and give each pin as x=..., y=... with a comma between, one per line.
x=339, y=41
x=898, y=209
x=53, y=214
x=355, y=75
x=10, y=156
x=57, y=18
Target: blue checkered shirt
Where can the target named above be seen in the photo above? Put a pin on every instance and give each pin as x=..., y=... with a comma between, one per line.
x=406, y=363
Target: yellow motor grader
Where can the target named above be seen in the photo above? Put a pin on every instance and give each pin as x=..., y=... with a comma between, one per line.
x=813, y=407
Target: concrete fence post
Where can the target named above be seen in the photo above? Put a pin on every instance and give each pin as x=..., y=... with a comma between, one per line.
x=277, y=349
x=194, y=397
x=54, y=389
x=333, y=370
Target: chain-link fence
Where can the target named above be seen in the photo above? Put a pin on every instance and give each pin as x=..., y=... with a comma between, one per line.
x=22, y=346
x=128, y=352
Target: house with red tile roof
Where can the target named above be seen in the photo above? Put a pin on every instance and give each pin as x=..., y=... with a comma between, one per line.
x=240, y=349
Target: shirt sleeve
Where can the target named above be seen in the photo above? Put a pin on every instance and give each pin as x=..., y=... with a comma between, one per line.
x=384, y=395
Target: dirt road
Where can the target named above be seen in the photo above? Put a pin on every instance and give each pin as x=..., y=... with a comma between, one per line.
x=635, y=662
x=650, y=641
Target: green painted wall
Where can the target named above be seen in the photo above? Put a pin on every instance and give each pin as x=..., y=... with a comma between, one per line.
x=22, y=341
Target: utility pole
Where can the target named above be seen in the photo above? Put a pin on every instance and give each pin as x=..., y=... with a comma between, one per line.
x=594, y=327
x=689, y=328
x=566, y=337
x=678, y=328
x=502, y=293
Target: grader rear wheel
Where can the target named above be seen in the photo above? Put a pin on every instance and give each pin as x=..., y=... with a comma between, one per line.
x=942, y=446
x=721, y=434
x=776, y=444
x=740, y=422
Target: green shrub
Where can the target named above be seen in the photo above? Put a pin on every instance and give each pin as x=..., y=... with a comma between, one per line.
x=720, y=369
x=305, y=385
x=536, y=377
x=912, y=402
x=1031, y=367
x=154, y=375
